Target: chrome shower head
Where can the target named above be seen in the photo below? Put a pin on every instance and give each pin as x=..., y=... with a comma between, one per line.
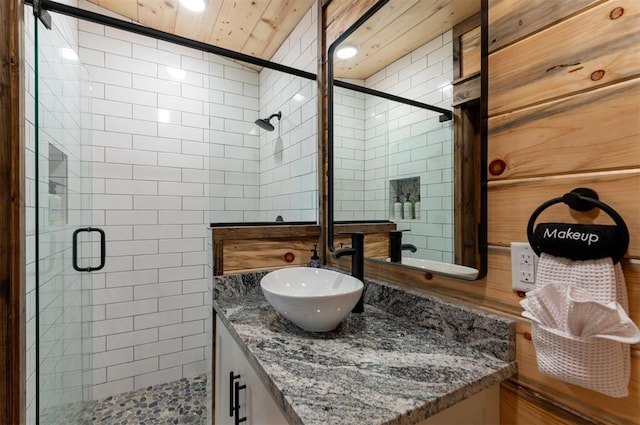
x=265, y=123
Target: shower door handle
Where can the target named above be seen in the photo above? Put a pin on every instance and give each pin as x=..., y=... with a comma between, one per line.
x=75, y=249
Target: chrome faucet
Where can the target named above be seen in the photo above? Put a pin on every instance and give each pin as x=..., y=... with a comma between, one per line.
x=356, y=251
x=396, y=246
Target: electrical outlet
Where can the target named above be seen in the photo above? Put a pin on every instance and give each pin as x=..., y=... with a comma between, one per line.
x=523, y=266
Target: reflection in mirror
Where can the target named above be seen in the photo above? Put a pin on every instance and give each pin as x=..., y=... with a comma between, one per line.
x=402, y=173
x=394, y=153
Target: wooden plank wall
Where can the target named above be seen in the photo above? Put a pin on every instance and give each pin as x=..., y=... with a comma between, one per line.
x=238, y=249
x=12, y=231
x=564, y=112
x=245, y=248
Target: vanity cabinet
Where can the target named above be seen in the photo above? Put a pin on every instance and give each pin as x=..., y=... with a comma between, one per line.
x=252, y=403
x=240, y=396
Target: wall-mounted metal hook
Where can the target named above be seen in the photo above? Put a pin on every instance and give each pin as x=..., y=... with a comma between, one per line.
x=583, y=199
x=575, y=199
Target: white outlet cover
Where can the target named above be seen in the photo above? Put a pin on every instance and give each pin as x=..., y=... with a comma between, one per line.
x=523, y=259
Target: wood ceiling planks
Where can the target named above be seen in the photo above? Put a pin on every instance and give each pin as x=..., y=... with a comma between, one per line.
x=236, y=23
x=124, y=8
x=279, y=14
x=253, y=27
x=152, y=13
x=399, y=28
x=259, y=27
x=198, y=25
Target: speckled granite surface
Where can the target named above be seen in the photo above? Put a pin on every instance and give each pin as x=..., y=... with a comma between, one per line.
x=405, y=359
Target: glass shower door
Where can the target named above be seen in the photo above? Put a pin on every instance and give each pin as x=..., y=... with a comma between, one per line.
x=66, y=247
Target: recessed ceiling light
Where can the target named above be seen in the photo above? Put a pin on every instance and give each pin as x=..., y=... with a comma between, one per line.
x=195, y=5
x=347, y=51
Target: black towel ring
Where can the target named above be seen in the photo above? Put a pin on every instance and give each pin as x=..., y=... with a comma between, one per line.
x=583, y=199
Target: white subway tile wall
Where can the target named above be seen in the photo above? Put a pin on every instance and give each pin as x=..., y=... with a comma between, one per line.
x=287, y=161
x=378, y=140
x=177, y=148
x=233, y=106
x=152, y=132
x=349, y=152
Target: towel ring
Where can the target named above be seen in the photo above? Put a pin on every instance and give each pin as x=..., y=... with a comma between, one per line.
x=582, y=199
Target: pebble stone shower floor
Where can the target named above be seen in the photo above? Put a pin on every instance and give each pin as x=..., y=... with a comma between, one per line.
x=178, y=402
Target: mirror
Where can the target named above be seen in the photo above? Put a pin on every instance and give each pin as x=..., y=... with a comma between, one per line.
x=406, y=138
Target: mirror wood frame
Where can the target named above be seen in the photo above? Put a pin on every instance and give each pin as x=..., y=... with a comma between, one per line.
x=470, y=157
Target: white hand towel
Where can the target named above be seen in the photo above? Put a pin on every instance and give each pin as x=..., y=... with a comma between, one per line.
x=601, y=278
x=580, y=323
x=573, y=310
x=546, y=305
x=587, y=317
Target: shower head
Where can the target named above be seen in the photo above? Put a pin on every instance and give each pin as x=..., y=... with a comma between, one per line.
x=265, y=124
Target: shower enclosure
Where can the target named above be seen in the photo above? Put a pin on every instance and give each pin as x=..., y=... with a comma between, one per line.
x=136, y=141
x=67, y=248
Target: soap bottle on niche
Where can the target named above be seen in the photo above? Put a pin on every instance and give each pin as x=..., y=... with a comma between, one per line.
x=416, y=208
x=55, y=206
x=408, y=209
x=315, y=259
x=397, y=209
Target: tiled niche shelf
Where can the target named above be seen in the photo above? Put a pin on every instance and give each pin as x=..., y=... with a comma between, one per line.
x=58, y=188
x=399, y=189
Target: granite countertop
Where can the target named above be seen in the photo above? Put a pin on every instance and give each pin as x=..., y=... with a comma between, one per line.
x=406, y=358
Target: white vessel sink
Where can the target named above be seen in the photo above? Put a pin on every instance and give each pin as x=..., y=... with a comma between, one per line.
x=314, y=299
x=454, y=270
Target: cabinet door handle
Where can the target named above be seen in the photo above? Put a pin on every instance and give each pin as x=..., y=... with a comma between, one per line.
x=236, y=394
x=232, y=378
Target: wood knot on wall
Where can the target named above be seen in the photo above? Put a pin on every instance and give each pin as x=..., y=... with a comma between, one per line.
x=497, y=167
x=616, y=13
x=597, y=75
